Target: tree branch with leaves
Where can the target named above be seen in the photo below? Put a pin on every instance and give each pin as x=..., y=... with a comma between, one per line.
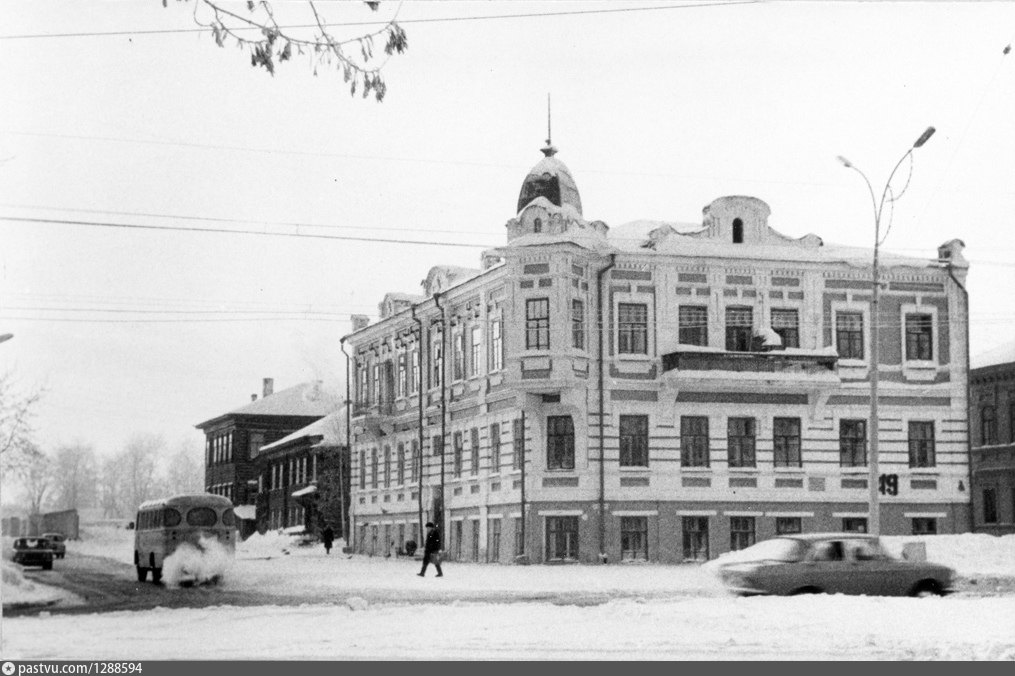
x=356, y=58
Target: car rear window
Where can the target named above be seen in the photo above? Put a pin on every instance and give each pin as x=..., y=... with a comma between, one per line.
x=201, y=516
x=227, y=518
x=171, y=517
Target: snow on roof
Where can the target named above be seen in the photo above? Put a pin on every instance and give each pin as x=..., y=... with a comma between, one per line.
x=1001, y=354
x=584, y=237
x=306, y=399
x=245, y=512
x=309, y=490
x=329, y=430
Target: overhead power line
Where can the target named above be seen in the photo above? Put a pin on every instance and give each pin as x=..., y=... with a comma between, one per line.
x=447, y=19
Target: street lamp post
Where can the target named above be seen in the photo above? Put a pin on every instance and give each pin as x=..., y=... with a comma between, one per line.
x=873, y=478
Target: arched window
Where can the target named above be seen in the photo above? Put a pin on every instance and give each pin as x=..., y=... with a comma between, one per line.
x=988, y=426
x=738, y=231
x=537, y=225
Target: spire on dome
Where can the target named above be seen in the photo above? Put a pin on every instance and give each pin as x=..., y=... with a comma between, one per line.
x=549, y=150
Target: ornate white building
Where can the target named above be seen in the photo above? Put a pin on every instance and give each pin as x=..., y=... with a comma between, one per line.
x=656, y=392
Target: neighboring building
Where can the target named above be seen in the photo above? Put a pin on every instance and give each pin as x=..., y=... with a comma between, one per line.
x=234, y=439
x=992, y=430
x=296, y=487
x=725, y=400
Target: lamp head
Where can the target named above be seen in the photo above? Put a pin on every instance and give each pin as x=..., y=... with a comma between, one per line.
x=924, y=137
x=845, y=162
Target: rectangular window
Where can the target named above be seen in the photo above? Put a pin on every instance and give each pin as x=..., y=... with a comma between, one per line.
x=495, y=448
x=849, y=335
x=363, y=392
x=457, y=544
x=519, y=539
x=739, y=329
x=493, y=540
x=387, y=466
x=695, y=532
x=634, y=441
x=373, y=468
x=919, y=336
x=376, y=398
x=988, y=426
x=476, y=352
x=578, y=324
x=437, y=446
x=518, y=443
x=694, y=441
x=634, y=538
x=475, y=540
x=786, y=442
x=436, y=358
x=537, y=324
x=632, y=328
x=924, y=525
x=788, y=525
x=559, y=442
x=741, y=532
x=852, y=443
x=414, y=471
x=562, y=538
x=403, y=375
x=693, y=323
x=458, y=356
x=787, y=324
x=474, y=455
x=457, y=449
x=989, y=505
x=740, y=442
x=854, y=524
x=496, y=344
x=921, y=444
x=400, y=464
x=414, y=372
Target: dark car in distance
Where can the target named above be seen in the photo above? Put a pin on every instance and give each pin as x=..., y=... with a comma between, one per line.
x=34, y=551
x=833, y=563
x=59, y=543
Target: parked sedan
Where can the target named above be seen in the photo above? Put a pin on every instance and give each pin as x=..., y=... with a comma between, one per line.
x=59, y=543
x=33, y=552
x=833, y=563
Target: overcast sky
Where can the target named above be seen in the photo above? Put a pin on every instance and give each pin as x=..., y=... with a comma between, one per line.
x=656, y=112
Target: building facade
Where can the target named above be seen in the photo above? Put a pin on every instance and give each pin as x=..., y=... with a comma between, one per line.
x=656, y=392
x=234, y=440
x=992, y=446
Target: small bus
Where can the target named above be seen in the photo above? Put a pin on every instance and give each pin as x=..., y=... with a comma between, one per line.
x=163, y=525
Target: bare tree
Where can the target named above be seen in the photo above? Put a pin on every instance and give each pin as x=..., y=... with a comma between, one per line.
x=137, y=469
x=184, y=473
x=16, y=411
x=36, y=474
x=354, y=57
x=75, y=476
x=110, y=488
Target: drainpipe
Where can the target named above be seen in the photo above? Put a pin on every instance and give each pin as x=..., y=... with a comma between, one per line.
x=969, y=401
x=602, y=410
x=419, y=397
x=346, y=528
x=524, y=547
x=444, y=407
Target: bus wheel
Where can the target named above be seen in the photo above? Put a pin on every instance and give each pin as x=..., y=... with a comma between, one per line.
x=142, y=574
x=156, y=575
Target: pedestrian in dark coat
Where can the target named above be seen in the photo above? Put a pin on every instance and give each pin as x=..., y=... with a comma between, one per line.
x=327, y=537
x=432, y=550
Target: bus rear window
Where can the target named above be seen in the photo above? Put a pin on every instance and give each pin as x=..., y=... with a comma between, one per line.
x=201, y=516
x=170, y=517
x=227, y=517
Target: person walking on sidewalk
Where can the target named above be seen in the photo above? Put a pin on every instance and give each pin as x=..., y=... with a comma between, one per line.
x=432, y=550
x=328, y=537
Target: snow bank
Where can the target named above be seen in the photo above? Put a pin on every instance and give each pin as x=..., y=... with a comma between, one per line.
x=106, y=541
x=18, y=590
x=281, y=543
x=724, y=628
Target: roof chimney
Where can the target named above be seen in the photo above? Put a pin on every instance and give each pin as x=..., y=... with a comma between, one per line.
x=253, y=397
x=269, y=387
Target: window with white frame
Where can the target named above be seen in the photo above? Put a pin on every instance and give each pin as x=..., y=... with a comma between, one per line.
x=496, y=343
x=739, y=329
x=537, y=324
x=693, y=325
x=919, y=336
x=632, y=328
x=849, y=335
x=474, y=448
x=740, y=442
x=559, y=442
x=402, y=375
x=476, y=352
x=786, y=442
x=414, y=371
x=786, y=323
x=852, y=443
x=436, y=357
x=457, y=355
x=400, y=464
x=694, y=441
x=921, y=443
x=634, y=441
x=578, y=324
x=495, y=447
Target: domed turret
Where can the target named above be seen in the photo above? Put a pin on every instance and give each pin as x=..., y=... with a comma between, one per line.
x=550, y=178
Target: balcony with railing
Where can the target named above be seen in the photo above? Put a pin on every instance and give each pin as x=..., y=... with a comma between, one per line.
x=794, y=366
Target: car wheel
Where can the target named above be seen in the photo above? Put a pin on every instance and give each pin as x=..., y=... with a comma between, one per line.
x=926, y=588
x=142, y=574
x=805, y=590
x=48, y=565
